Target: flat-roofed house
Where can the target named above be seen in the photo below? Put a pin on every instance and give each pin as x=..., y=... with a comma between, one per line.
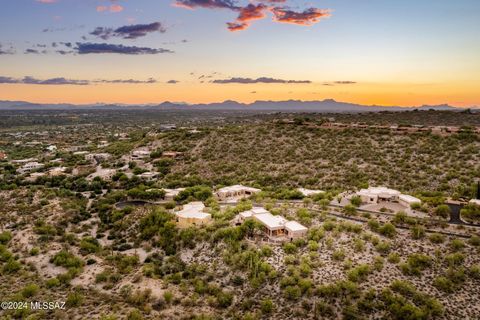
x=30, y=166
x=475, y=201
x=309, y=192
x=172, y=154
x=235, y=192
x=192, y=215
x=56, y=171
x=275, y=227
x=295, y=230
x=148, y=175
x=382, y=194
x=98, y=157
x=250, y=213
x=376, y=194
x=408, y=200
x=140, y=154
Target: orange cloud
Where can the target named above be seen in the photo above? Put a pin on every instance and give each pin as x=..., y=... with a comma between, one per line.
x=249, y=13
x=112, y=8
x=116, y=8
x=257, y=10
x=306, y=17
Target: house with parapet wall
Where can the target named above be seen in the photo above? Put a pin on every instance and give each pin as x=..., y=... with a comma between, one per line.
x=309, y=192
x=275, y=227
x=140, y=154
x=192, y=214
x=30, y=166
x=382, y=194
x=235, y=192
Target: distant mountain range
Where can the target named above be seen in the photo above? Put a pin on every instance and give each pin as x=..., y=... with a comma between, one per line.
x=328, y=105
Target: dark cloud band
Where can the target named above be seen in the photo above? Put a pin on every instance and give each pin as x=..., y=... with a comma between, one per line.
x=258, y=80
x=129, y=32
x=92, y=48
x=65, y=81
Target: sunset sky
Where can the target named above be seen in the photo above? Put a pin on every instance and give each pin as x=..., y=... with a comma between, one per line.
x=386, y=52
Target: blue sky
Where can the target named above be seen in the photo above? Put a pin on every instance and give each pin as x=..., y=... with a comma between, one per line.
x=389, y=52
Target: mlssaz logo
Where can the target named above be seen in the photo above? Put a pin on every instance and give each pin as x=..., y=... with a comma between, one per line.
x=52, y=305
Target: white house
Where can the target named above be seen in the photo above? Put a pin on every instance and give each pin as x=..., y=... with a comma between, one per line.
x=376, y=194
x=104, y=173
x=192, y=215
x=148, y=175
x=309, y=192
x=276, y=227
x=51, y=148
x=235, y=192
x=23, y=161
x=408, y=200
x=57, y=171
x=475, y=201
x=99, y=157
x=140, y=154
x=294, y=230
x=30, y=166
x=242, y=216
x=379, y=194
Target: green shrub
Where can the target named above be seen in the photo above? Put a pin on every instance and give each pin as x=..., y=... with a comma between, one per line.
x=74, y=299
x=436, y=238
x=168, y=296
x=418, y=231
x=266, y=305
x=89, y=245
x=5, y=237
x=383, y=247
x=224, y=299
x=52, y=282
x=457, y=245
x=67, y=260
x=30, y=290
x=444, y=284
x=289, y=248
x=393, y=258
x=415, y=264
x=387, y=230
x=359, y=273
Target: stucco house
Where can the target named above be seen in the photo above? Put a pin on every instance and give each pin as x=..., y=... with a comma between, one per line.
x=309, y=192
x=192, y=215
x=382, y=194
x=235, y=192
x=275, y=227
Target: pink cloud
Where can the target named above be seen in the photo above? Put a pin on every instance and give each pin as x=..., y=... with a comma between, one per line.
x=112, y=8
x=116, y=8
x=46, y=1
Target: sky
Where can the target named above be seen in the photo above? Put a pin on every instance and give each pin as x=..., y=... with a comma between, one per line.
x=382, y=52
